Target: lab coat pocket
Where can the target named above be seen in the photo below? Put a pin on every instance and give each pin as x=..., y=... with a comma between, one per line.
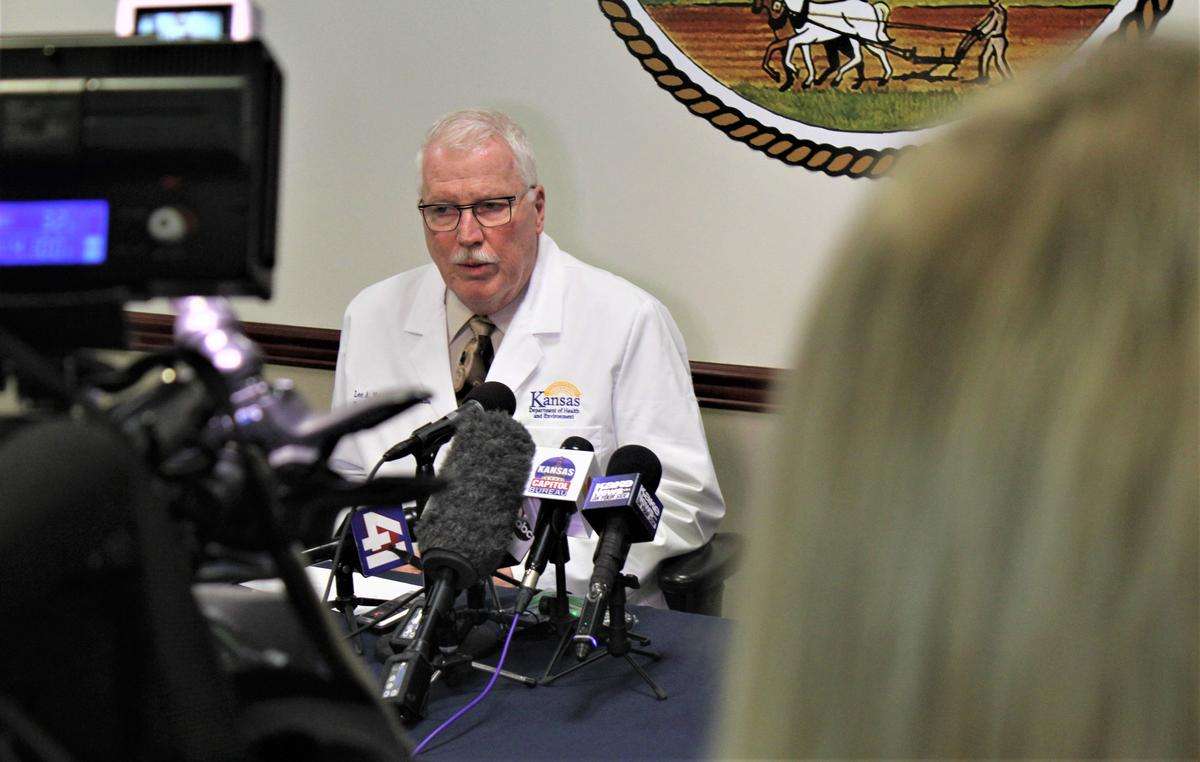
x=554, y=435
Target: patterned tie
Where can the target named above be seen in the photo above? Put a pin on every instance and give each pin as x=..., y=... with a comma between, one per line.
x=475, y=359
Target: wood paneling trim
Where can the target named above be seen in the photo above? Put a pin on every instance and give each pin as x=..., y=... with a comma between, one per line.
x=734, y=387
x=719, y=386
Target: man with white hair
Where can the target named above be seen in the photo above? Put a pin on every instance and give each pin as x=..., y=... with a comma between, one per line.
x=585, y=352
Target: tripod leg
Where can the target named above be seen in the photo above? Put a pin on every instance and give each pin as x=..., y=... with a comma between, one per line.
x=562, y=604
x=563, y=642
x=490, y=587
x=522, y=679
x=347, y=610
x=659, y=692
x=596, y=656
x=651, y=654
x=641, y=639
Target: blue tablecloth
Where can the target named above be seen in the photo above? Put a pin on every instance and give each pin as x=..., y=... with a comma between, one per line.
x=603, y=711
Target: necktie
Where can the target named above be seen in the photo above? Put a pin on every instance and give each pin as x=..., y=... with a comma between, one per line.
x=475, y=359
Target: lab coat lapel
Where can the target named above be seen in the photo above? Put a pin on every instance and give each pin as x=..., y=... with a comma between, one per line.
x=429, y=356
x=539, y=315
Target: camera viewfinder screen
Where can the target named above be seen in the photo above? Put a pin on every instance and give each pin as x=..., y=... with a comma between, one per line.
x=40, y=233
x=197, y=23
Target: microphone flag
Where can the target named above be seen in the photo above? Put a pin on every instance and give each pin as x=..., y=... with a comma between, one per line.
x=555, y=474
x=614, y=495
x=382, y=538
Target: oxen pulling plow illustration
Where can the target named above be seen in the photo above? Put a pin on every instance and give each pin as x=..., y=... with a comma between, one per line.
x=846, y=27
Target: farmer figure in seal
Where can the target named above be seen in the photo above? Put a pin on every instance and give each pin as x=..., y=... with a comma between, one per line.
x=993, y=31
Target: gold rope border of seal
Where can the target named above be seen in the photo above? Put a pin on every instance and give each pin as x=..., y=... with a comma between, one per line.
x=844, y=161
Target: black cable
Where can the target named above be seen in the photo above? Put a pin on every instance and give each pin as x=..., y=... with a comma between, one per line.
x=22, y=356
x=502, y=576
x=375, y=470
x=118, y=379
x=210, y=377
x=312, y=614
x=26, y=730
x=337, y=556
x=341, y=540
x=388, y=607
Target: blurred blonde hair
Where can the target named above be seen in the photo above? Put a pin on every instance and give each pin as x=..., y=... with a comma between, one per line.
x=983, y=534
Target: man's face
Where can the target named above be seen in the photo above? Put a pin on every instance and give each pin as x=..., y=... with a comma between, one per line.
x=485, y=267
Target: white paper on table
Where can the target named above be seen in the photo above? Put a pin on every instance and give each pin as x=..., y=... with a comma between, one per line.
x=364, y=587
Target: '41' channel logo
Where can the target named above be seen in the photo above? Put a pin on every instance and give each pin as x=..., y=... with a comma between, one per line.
x=382, y=537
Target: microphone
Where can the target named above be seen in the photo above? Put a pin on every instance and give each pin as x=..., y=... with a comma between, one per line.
x=490, y=395
x=621, y=506
x=463, y=533
x=552, y=514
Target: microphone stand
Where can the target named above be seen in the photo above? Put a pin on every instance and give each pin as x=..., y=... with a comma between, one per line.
x=410, y=672
x=474, y=614
x=345, y=562
x=619, y=638
x=345, y=600
x=424, y=458
x=478, y=595
x=553, y=617
x=560, y=617
x=557, y=611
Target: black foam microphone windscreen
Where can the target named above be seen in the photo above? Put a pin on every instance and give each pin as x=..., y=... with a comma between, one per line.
x=635, y=459
x=464, y=533
x=485, y=472
x=577, y=443
x=493, y=395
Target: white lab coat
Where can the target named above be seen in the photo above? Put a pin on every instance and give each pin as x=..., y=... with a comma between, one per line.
x=576, y=324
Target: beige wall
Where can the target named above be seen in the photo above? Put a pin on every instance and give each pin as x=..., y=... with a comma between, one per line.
x=729, y=240
x=725, y=237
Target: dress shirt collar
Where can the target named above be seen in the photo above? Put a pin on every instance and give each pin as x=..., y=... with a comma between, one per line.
x=458, y=314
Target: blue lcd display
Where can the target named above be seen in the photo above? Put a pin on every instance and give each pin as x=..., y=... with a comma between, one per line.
x=184, y=23
x=39, y=233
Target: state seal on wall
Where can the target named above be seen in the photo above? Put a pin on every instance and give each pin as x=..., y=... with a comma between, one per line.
x=844, y=86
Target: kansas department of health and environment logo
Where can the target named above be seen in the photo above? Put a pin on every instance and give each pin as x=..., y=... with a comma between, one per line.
x=561, y=400
x=843, y=86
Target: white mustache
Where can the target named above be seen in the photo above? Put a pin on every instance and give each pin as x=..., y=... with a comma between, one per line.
x=473, y=257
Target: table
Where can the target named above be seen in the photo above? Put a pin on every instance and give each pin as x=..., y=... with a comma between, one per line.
x=604, y=711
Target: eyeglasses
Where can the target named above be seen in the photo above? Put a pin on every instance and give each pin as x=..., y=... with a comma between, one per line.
x=489, y=213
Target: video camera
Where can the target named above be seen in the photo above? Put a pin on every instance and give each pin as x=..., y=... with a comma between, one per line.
x=137, y=168
x=134, y=168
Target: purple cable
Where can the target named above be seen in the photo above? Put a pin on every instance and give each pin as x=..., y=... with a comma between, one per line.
x=499, y=666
